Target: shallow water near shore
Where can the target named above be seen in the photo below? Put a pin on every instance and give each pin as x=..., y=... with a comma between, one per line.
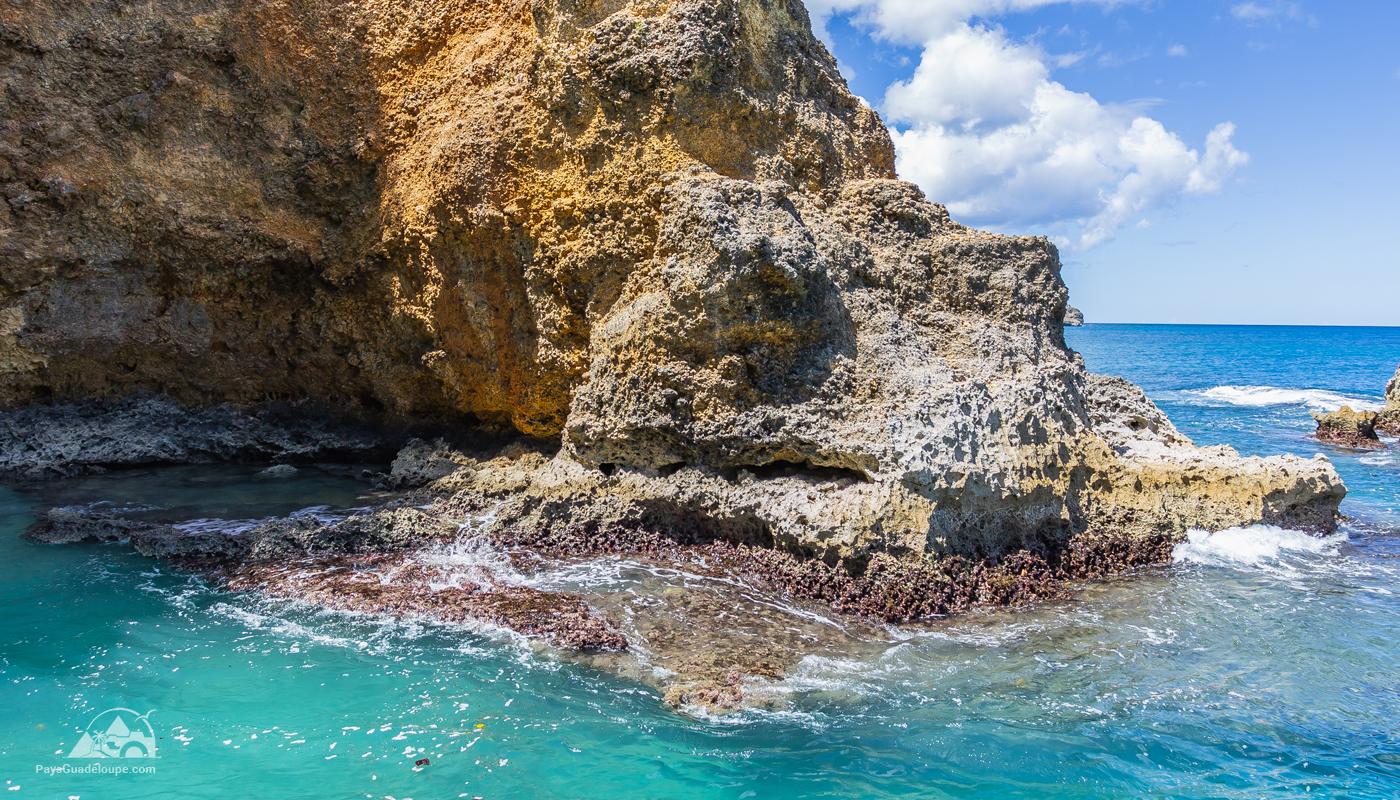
x=1265, y=663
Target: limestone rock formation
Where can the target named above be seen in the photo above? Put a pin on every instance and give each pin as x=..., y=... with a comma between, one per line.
x=659, y=237
x=1074, y=317
x=1347, y=427
x=1389, y=422
x=395, y=207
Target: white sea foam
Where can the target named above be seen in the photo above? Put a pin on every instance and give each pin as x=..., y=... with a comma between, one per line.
x=227, y=527
x=265, y=620
x=1252, y=546
x=1261, y=396
x=471, y=559
x=298, y=623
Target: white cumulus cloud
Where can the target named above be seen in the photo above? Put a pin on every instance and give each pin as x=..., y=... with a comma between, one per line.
x=983, y=126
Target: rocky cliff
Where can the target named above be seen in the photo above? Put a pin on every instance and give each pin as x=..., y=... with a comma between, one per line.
x=392, y=207
x=659, y=237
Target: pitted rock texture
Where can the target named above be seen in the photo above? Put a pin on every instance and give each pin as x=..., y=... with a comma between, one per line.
x=1127, y=420
x=660, y=235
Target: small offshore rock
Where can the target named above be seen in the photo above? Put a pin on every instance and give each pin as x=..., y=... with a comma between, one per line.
x=1347, y=427
x=279, y=471
x=1074, y=318
x=1389, y=422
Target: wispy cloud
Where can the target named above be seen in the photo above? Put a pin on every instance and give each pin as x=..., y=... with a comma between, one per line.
x=1114, y=60
x=1253, y=11
x=1258, y=11
x=1067, y=60
x=1178, y=51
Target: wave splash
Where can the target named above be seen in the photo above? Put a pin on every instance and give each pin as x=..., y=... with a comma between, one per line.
x=1262, y=396
x=1252, y=546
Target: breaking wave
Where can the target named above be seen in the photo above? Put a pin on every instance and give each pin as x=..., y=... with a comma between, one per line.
x=1261, y=396
x=1252, y=546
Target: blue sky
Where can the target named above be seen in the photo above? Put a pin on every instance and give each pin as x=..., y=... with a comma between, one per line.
x=1216, y=161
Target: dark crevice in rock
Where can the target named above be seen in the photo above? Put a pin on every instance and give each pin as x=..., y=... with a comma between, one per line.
x=798, y=469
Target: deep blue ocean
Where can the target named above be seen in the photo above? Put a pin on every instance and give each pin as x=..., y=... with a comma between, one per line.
x=1264, y=664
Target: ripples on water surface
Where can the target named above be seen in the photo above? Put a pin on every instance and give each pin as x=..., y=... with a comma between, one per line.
x=1264, y=664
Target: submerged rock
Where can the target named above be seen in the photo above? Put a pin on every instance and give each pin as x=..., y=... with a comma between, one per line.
x=1349, y=428
x=89, y=524
x=279, y=471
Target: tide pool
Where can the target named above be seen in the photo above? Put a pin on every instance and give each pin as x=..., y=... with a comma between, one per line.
x=1264, y=663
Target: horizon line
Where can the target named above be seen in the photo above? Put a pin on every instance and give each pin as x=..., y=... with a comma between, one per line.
x=1243, y=325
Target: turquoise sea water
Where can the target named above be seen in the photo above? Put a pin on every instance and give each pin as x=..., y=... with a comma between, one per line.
x=1263, y=664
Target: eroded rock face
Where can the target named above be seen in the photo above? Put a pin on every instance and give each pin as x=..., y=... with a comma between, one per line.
x=659, y=236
